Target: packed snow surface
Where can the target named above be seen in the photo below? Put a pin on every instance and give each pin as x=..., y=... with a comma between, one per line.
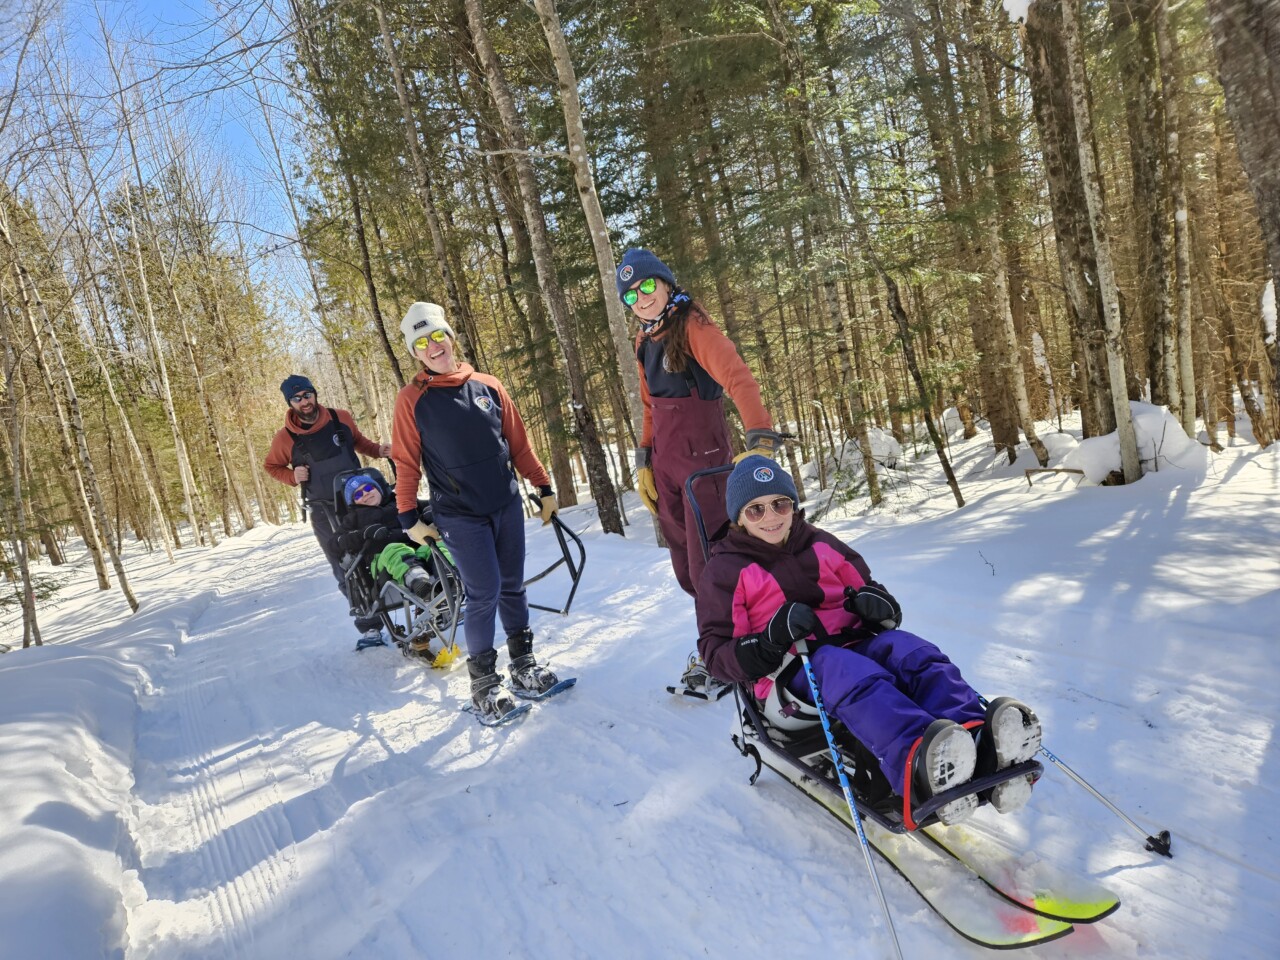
x=220, y=776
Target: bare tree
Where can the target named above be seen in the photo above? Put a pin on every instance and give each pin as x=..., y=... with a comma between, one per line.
x=580, y=159
x=1106, y=279
x=544, y=260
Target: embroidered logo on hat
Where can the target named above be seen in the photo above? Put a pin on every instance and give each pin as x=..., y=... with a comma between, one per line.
x=626, y=273
x=484, y=403
x=421, y=323
x=763, y=474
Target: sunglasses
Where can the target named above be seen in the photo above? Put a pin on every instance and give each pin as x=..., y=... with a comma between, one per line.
x=302, y=395
x=363, y=490
x=782, y=506
x=647, y=286
x=435, y=336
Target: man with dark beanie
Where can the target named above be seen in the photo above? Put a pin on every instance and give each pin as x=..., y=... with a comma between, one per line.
x=316, y=444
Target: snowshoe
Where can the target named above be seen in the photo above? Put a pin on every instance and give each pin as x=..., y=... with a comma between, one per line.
x=491, y=702
x=530, y=680
x=370, y=638
x=698, y=684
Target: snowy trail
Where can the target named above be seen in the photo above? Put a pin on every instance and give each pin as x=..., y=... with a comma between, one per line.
x=246, y=786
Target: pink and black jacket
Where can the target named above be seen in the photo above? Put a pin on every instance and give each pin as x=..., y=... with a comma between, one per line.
x=747, y=580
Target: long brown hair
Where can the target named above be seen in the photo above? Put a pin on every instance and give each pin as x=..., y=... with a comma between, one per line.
x=675, y=334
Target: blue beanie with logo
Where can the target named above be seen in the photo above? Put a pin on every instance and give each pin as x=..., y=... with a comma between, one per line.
x=354, y=483
x=756, y=476
x=294, y=383
x=638, y=263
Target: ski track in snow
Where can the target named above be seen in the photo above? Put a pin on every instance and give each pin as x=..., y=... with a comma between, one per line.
x=293, y=798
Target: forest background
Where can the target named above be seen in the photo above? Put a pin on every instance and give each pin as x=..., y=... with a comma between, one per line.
x=895, y=210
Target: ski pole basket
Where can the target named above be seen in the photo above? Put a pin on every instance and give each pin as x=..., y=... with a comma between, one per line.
x=574, y=565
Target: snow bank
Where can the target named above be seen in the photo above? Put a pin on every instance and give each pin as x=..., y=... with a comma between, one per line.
x=1161, y=444
x=67, y=738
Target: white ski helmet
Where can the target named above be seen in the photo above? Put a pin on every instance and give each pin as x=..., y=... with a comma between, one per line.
x=783, y=709
x=421, y=319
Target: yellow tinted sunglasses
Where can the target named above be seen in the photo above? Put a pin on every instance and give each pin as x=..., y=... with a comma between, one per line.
x=435, y=336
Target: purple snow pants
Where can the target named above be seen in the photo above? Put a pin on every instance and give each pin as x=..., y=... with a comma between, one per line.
x=887, y=690
x=489, y=553
x=689, y=434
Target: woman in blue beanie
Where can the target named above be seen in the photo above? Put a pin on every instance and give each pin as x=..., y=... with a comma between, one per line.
x=774, y=578
x=687, y=365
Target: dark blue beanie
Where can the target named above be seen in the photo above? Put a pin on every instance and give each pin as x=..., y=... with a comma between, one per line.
x=756, y=476
x=637, y=264
x=293, y=383
x=354, y=483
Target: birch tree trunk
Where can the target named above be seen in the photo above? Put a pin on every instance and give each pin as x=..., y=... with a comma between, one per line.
x=580, y=159
x=422, y=184
x=1092, y=183
x=543, y=258
x=33, y=310
x=15, y=415
x=805, y=136
x=1169, y=80
x=1006, y=340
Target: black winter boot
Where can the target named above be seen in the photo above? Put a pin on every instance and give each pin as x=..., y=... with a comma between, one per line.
x=527, y=678
x=491, y=699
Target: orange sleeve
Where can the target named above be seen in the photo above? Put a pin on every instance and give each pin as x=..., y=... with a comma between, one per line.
x=406, y=449
x=717, y=355
x=279, y=458
x=363, y=444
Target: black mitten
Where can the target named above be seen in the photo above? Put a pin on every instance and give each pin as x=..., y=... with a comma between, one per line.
x=874, y=605
x=378, y=534
x=762, y=653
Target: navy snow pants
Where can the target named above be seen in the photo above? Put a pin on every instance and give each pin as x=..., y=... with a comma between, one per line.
x=887, y=690
x=489, y=554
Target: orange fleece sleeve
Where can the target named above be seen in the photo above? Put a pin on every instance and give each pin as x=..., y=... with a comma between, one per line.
x=406, y=449
x=279, y=458
x=717, y=355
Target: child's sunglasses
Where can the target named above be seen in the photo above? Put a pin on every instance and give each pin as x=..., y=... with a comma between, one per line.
x=647, y=286
x=782, y=506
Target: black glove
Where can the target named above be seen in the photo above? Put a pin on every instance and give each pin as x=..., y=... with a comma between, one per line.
x=874, y=605
x=762, y=653
x=378, y=534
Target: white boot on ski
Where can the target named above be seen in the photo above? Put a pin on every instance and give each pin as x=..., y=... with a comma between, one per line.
x=945, y=758
x=1015, y=734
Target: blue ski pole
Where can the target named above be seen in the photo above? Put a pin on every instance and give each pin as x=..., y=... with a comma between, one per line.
x=802, y=649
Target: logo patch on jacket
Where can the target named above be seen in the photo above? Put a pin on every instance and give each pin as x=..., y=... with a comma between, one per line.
x=484, y=403
x=763, y=474
x=337, y=439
